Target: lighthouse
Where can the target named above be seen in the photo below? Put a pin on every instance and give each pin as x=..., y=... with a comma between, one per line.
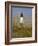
x=21, y=18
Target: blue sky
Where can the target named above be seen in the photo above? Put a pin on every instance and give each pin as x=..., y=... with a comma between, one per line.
x=19, y=10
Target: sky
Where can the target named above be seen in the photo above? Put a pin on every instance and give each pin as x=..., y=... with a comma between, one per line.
x=19, y=10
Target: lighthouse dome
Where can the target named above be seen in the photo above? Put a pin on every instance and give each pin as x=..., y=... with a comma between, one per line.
x=21, y=15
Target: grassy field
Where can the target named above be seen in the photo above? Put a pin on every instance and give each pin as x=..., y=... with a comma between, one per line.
x=20, y=31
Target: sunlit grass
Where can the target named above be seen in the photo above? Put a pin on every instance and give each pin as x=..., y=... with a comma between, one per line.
x=21, y=30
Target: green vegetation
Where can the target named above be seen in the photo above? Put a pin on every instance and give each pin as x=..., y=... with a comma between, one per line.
x=21, y=30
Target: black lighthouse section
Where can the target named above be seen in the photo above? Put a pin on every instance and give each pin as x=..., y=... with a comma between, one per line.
x=21, y=15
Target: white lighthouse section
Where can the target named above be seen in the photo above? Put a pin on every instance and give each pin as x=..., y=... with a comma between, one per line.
x=21, y=19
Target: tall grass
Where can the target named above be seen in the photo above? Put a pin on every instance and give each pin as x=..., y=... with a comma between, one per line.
x=21, y=30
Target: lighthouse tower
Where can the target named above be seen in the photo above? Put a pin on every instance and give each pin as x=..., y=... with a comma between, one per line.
x=21, y=18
